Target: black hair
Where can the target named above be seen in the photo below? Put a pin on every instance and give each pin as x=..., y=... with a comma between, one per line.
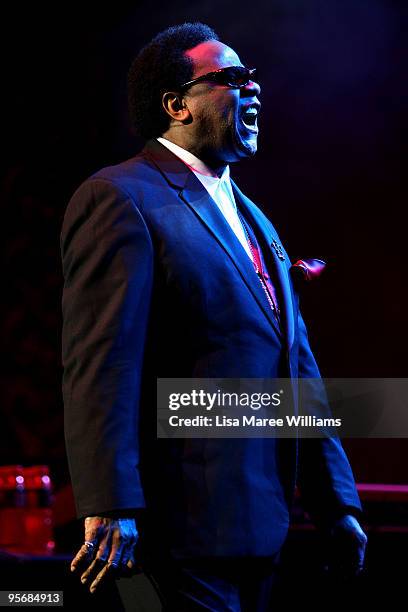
x=159, y=67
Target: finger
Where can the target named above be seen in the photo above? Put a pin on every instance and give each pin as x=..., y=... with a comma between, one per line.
x=100, y=559
x=128, y=551
x=93, y=569
x=104, y=547
x=110, y=569
x=128, y=563
x=362, y=547
x=117, y=549
x=113, y=562
x=87, y=550
x=357, y=555
x=131, y=562
x=132, y=566
x=107, y=570
x=85, y=553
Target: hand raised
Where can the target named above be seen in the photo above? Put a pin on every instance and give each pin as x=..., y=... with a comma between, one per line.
x=108, y=548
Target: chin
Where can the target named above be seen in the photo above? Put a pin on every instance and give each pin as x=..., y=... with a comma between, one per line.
x=247, y=148
x=244, y=146
x=251, y=148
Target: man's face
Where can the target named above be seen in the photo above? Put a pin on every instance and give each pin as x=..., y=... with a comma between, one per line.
x=220, y=129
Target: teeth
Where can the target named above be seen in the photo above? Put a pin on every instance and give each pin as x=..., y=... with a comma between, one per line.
x=249, y=117
x=250, y=112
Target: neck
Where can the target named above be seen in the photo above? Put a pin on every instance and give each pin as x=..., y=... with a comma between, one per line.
x=207, y=157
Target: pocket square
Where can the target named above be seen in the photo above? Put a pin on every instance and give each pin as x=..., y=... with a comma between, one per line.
x=307, y=269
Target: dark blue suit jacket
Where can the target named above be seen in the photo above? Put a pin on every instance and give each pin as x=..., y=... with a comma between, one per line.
x=158, y=285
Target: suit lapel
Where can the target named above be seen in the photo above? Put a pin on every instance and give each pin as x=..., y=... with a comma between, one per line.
x=192, y=192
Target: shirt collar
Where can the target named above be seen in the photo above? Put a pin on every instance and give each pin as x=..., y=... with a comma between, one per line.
x=195, y=164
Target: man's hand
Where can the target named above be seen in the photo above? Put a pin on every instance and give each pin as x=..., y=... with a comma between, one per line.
x=348, y=543
x=108, y=547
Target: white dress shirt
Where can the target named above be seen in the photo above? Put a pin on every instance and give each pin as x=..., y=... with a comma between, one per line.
x=219, y=188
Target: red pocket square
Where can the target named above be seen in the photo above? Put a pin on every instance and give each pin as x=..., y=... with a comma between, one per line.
x=308, y=269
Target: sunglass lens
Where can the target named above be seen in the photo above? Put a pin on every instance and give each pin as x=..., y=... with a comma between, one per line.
x=238, y=76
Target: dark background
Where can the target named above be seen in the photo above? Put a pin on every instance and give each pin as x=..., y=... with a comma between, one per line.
x=329, y=173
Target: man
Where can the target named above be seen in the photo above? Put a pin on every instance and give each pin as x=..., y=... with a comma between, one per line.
x=170, y=271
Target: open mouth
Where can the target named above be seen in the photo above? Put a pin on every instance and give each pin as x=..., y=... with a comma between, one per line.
x=249, y=117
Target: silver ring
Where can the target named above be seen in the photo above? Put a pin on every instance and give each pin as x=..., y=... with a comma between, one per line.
x=89, y=545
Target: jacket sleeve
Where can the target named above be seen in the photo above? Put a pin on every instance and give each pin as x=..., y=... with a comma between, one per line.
x=325, y=478
x=107, y=260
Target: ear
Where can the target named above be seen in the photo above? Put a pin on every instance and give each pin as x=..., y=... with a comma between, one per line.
x=175, y=105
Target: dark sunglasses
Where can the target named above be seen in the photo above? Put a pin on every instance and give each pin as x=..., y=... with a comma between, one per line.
x=232, y=76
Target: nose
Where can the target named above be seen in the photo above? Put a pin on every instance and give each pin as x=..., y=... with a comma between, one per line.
x=251, y=89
